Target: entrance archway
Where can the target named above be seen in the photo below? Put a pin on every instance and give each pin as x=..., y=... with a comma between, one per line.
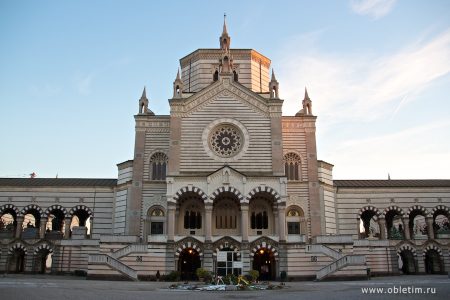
x=433, y=262
x=17, y=261
x=188, y=263
x=408, y=262
x=264, y=263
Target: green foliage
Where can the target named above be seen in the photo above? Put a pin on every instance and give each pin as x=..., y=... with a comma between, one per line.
x=254, y=274
x=395, y=234
x=230, y=279
x=203, y=274
x=172, y=276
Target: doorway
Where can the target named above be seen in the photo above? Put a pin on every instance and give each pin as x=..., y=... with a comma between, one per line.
x=188, y=263
x=264, y=263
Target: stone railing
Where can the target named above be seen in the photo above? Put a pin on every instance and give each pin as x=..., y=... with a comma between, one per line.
x=348, y=260
x=333, y=239
x=324, y=250
x=133, y=248
x=114, y=264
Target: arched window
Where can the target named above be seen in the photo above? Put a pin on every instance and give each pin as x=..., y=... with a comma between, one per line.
x=226, y=214
x=235, y=76
x=292, y=166
x=157, y=218
x=216, y=76
x=192, y=220
x=259, y=220
x=158, y=166
x=295, y=220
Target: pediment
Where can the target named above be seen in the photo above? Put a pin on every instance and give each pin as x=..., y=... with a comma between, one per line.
x=225, y=176
x=225, y=86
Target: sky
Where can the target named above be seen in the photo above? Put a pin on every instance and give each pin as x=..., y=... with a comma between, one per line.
x=377, y=71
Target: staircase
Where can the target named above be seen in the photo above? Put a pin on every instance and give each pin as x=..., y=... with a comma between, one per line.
x=133, y=248
x=114, y=264
x=112, y=259
x=347, y=260
x=341, y=260
x=324, y=250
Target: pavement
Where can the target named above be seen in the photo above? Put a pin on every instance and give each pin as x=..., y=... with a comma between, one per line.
x=27, y=287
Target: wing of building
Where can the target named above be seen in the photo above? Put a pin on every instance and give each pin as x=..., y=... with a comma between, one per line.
x=225, y=182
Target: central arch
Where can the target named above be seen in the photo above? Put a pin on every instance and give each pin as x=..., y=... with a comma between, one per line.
x=264, y=259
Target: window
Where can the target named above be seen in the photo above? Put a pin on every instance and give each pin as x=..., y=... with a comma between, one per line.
x=226, y=214
x=259, y=220
x=293, y=227
x=157, y=228
x=216, y=76
x=192, y=220
x=158, y=166
x=157, y=213
x=292, y=166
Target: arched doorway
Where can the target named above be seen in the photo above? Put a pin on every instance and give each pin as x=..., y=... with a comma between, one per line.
x=433, y=262
x=264, y=263
x=188, y=263
x=408, y=264
x=17, y=260
x=43, y=260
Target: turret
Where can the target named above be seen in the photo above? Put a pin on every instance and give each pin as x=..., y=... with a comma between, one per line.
x=178, y=86
x=273, y=87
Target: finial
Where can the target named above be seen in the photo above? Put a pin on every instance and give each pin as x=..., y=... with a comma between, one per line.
x=178, y=74
x=273, y=76
x=224, y=31
x=144, y=94
x=306, y=94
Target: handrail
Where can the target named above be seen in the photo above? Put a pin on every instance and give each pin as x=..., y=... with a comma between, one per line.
x=344, y=261
x=113, y=263
x=325, y=250
x=133, y=248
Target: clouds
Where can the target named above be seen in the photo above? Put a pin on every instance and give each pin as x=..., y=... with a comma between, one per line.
x=376, y=9
x=369, y=86
x=416, y=152
x=366, y=90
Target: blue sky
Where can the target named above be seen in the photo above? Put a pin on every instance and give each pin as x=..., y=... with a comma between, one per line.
x=377, y=71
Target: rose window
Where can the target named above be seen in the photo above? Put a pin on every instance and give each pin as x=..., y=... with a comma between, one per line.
x=226, y=140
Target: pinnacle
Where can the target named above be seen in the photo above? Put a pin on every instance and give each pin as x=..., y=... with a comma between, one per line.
x=224, y=31
x=178, y=75
x=306, y=94
x=273, y=76
x=144, y=94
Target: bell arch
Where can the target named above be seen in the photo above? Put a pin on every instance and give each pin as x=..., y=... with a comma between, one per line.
x=192, y=189
x=263, y=188
x=228, y=189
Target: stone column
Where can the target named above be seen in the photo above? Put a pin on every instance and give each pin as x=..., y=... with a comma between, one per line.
x=42, y=227
x=67, y=222
x=430, y=229
x=276, y=221
x=406, y=228
x=171, y=221
x=282, y=221
x=244, y=222
x=145, y=230
x=19, y=228
x=208, y=220
x=382, y=224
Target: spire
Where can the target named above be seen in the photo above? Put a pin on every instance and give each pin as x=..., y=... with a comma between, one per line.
x=144, y=94
x=273, y=76
x=225, y=39
x=273, y=86
x=143, y=104
x=178, y=86
x=306, y=95
x=224, y=31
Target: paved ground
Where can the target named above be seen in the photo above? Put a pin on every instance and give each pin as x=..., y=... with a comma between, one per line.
x=46, y=287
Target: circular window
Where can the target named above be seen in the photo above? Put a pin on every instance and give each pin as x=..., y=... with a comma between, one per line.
x=226, y=140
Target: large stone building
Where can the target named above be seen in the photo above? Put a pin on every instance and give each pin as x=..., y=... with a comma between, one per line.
x=227, y=183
